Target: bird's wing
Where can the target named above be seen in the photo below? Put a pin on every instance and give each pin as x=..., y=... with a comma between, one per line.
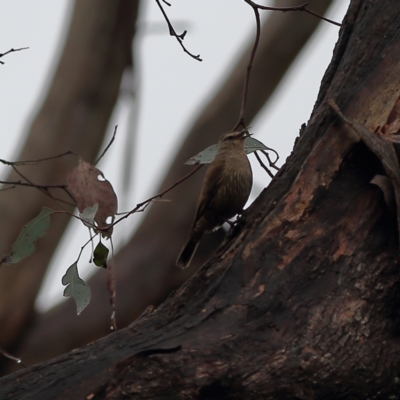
x=209, y=190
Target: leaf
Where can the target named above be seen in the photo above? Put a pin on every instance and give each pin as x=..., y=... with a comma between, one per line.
x=88, y=215
x=251, y=145
x=84, y=184
x=25, y=245
x=76, y=288
x=100, y=255
x=206, y=156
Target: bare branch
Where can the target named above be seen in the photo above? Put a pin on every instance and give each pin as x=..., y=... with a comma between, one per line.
x=108, y=146
x=30, y=184
x=302, y=7
x=45, y=188
x=111, y=286
x=30, y=162
x=11, y=51
x=241, y=121
x=11, y=357
x=263, y=165
x=172, y=32
x=271, y=163
x=159, y=195
x=256, y=8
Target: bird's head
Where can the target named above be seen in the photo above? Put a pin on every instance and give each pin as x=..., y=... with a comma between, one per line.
x=233, y=139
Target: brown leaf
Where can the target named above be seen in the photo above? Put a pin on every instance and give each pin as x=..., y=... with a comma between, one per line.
x=84, y=184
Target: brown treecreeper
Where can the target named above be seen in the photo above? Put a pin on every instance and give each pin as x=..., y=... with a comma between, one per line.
x=226, y=188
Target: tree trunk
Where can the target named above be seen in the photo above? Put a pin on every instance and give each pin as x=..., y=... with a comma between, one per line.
x=301, y=301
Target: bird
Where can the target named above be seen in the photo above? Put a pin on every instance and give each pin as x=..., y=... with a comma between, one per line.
x=226, y=189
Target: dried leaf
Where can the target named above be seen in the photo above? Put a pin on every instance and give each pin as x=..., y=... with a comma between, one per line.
x=84, y=184
x=25, y=245
x=206, y=156
x=76, y=288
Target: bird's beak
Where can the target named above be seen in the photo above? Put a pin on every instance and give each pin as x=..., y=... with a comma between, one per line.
x=246, y=133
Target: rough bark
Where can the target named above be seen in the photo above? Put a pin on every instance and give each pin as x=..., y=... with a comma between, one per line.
x=146, y=265
x=301, y=301
x=74, y=117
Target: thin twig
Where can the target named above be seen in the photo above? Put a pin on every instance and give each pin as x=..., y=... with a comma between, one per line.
x=30, y=162
x=28, y=184
x=11, y=357
x=44, y=190
x=322, y=17
x=302, y=7
x=263, y=165
x=256, y=8
x=111, y=286
x=3, y=189
x=171, y=187
x=89, y=241
x=87, y=223
x=241, y=121
x=11, y=51
x=271, y=164
x=172, y=32
x=147, y=202
x=108, y=146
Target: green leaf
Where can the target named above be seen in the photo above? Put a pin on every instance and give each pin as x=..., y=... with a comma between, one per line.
x=208, y=155
x=76, y=288
x=100, y=255
x=251, y=145
x=25, y=245
x=204, y=157
x=88, y=214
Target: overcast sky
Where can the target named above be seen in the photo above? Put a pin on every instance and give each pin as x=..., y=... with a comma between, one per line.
x=172, y=87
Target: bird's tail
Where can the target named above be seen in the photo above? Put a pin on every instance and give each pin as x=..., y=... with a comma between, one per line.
x=187, y=253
